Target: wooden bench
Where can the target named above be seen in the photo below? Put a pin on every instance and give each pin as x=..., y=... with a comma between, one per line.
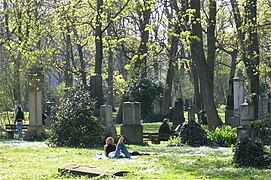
x=12, y=128
x=155, y=138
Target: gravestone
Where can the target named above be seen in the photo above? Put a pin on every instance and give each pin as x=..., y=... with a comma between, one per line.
x=229, y=116
x=106, y=115
x=264, y=106
x=35, y=80
x=238, y=99
x=132, y=128
x=177, y=115
x=96, y=89
x=247, y=115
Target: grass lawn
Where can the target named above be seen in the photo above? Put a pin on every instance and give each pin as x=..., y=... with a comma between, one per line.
x=35, y=160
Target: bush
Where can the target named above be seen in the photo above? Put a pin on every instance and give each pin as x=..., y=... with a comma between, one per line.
x=154, y=117
x=250, y=154
x=192, y=134
x=224, y=136
x=262, y=129
x=145, y=91
x=73, y=123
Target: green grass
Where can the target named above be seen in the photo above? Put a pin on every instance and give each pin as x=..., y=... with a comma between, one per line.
x=35, y=160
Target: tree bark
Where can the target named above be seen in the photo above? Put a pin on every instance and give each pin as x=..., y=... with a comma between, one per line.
x=144, y=14
x=253, y=54
x=211, y=39
x=99, y=39
x=248, y=39
x=67, y=74
x=172, y=58
x=82, y=70
x=203, y=69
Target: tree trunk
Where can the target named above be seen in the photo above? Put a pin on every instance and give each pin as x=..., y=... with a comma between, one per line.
x=82, y=70
x=211, y=39
x=110, y=100
x=203, y=69
x=67, y=74
x=17, y=64
x=253, y=54
x=172, y=58
x=195, y=77
x=99, y=39
x=144, y=21
x=249, y=45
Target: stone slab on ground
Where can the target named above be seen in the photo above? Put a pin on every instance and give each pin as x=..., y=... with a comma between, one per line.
x=81, y=169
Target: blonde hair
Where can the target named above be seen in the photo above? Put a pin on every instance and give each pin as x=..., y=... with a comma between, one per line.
x=109, y=140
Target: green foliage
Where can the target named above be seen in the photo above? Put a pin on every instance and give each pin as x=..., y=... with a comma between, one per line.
x=154, y=117
x=251, y=154
x=174, y=141
x=145, y=91
x=262, y=129
x=224, y=136
x=73, y=123
x=192, y=134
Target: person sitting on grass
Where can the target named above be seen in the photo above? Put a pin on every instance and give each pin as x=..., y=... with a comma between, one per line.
x=114, y=151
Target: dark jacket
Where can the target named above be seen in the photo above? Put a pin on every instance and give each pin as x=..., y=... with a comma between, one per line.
x=164, y=128
x=19, y=116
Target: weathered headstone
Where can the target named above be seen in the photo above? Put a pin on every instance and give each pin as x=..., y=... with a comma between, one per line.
x=239, y=95
x=264, y=106
x=106, y=115
x=178, y=116
x=247, y=115
x=97, y=89
x=35, y=79
x=229, y=116
x=132, y=128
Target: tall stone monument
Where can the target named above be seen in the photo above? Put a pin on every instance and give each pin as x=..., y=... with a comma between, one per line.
x=238, y=98
x=35, y=81
x=132, y=128
x=97, y=89
x=229, y=116
x=106, y=115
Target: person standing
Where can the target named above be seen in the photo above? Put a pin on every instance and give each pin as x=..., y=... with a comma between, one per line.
x=19, y=117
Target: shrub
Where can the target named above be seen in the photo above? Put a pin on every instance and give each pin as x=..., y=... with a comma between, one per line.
x=262, y=129
x=192, y=134
x=145, y=91
x=250, y=154
x=154, y=117
x=224, y=136
x=73, y=123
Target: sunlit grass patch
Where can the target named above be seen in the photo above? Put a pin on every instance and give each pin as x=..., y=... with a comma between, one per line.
x=35, y=160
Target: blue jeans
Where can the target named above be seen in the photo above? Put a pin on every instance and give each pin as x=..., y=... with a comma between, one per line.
x=118, y=154
x=19, y=128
